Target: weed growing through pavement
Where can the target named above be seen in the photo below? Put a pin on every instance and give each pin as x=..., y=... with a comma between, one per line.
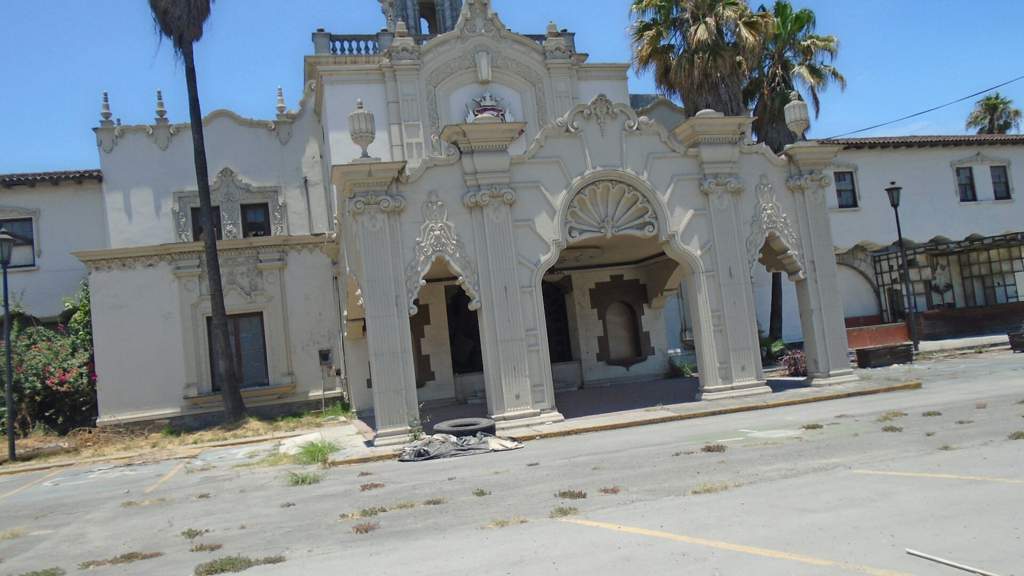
x=891, y=428
x=710, y=488
x=365, y=527
x=929, y=433
x=435, y=501
x=46, y=572
x=965, y=422
x=891, y=415
x=364, y=474
x=12, y=534
x=276, y=459
x=364, y=513
x=203, y=496
x=480, y=492
x=610, y=490
x=532, y=464
x=812, y=426
x=192, y=533
x=931, y=413
x=288, y=505
x=231, y=564
x=571, y=494
x=127, y=558
x=981, y=405
x=142, y=503
x=317, y=452
x=206, y=547
x=713, y=448
x=945, y=447
x=370, y=486
x=303, y=478
x=505, y=523
x=563, y=511
x=1018, y=435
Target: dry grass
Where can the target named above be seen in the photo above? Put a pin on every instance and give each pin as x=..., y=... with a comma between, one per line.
x=945, y=447
x=143, y=503
x=505, y=523
x=480, y=492
x=610, y=490
x=435, y=501
x=710, y=488
x=961, y=422
x=206, y=547
x=370, y=512
x=981, y=405
x=891, y=428
x=812, y=426
x=364, y=474
x=276, y=459
x=929, y=434
x=127, y=558
x=891, y=415
x=288, y=505
x=1018, y=435
x=193, y=533
x=365, y=527
x=231, y=564
x=571, y=494
x=931, y=413
x=712, y=448
x=563, y=511
x=371, y=486
x=12, y=533
x=203, y=496
x=46, y=572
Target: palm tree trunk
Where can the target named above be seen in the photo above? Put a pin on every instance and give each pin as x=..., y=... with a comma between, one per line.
x=223, y=367
x=775, y=317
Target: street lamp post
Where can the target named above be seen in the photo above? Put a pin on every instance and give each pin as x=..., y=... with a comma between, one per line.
x=894, y=200
x=6, y=247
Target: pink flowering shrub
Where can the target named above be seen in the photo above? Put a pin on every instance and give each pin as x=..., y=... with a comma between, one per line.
x=795, y=363
x=54, y=379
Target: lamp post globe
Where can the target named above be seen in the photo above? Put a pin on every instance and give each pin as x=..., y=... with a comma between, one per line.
x=6, y=249
x=894, y=192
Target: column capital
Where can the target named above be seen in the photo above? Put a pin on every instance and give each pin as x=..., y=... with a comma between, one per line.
x=813, y=181
x=376, y=201
x=483, y=197
x=718, y=183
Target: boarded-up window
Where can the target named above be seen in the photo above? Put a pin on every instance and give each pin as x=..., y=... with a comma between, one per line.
x=248, y=350
x=623, y=332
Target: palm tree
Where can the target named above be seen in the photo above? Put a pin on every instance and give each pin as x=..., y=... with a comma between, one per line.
x=700, y=50
x=181, y=21
x=793, y=58
x=994, y=114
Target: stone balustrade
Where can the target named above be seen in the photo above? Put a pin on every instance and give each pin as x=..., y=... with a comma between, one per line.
x=373, y=44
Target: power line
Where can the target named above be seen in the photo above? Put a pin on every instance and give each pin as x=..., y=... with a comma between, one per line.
x=907, y=117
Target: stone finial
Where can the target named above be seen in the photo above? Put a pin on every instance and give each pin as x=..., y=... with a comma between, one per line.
x=161, y=110
x=552, y=29
x=797, y=118
x=281, y=107
x=401, y=29
x=362, y=128
x=105, y=113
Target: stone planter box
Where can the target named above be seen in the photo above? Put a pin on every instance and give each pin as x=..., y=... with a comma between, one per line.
x=878, y=356
x=1017, y=341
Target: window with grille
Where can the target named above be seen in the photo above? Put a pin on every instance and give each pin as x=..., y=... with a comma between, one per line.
x=992, y=276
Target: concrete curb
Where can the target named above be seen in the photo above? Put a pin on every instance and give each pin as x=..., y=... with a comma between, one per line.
x=904, y=386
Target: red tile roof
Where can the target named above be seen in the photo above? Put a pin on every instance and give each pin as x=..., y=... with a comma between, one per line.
x=34, y=178
x=928, y=141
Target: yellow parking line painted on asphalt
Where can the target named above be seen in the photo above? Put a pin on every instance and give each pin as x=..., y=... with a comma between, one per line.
x=751, y=550
x=30, y=484
x=940, y=476
x=165, y=478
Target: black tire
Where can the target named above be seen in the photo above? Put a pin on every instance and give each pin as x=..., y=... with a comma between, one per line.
x=465, y=427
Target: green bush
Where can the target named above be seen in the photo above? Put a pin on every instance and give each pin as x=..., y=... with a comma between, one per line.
x=54, y=375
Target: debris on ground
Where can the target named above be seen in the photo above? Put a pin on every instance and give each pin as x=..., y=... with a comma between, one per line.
x=446, y=446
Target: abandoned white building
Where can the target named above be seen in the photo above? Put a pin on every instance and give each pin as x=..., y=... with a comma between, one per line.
x=474, y=215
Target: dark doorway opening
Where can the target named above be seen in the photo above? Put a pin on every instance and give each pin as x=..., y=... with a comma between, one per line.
x=463, y=332
x=556, y=317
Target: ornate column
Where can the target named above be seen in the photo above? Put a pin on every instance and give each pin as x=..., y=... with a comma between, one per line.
x=373, y=210
x=717, y=139
x=821, y=305
x=485, y=159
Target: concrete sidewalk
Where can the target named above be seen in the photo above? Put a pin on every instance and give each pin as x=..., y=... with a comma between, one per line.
x=954, y=344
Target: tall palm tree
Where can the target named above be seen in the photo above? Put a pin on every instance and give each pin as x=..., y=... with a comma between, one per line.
x=701, y=50
x=181, y=21
x=794, y=58
x=994, y=114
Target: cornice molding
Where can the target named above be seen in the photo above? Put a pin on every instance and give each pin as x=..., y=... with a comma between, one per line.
x=149, y=256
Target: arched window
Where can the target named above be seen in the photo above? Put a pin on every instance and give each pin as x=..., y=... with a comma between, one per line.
x=622, y=329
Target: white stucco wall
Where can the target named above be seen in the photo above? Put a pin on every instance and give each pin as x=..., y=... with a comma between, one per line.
x=68, y=217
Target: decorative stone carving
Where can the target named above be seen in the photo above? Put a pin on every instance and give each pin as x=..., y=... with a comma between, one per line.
x=601, y=109
x=771, y=225
x=375, y=202
x=229, y=191
x=609, y=208
x=719, y=188
x=555, y=46
x=438, y=239
x=812, y=183
x=483, y=67
x=476, y=18
x=487, y=108
x=486, y=196
x=362, y=128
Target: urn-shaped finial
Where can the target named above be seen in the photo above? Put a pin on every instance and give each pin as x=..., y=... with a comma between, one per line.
x=281, y=106
x=105, y=113
x=797, y=118
x=161, y=110
x=362, y=128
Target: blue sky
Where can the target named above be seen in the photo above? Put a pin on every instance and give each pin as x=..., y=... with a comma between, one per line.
x=57, y=56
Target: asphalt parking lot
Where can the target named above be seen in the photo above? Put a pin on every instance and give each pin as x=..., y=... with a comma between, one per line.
x=813, y=489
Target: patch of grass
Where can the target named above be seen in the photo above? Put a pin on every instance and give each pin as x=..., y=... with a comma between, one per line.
x=710, y=488
x=364, y=474
x=677, y=454
x=46, y=572
x=317, y=452
x=480, y=492
x=891, y=428
x=365, y=513
x=288, y=505
x=812, y=426
x=931, y=413
x=563, y=511
x=435, y=501
x=532, y=464
x=230, y=564
x=891, y=415
x=276, y=459
x=404, y=506
x=571, y=494
x=945, y=447
x=710, y=448
x=12, y=533
x=206, y=547
x=338, y=410
x=126, y=558
x=365, y=527
x=929, y=434
x=203, y=496
x=1018, y=435
x=370, y=486
x=981, y=405
x=505, y=523
x=192, y=533
x=142, y=503
x=610, y=490
x=303, y=478
x=965, y=422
